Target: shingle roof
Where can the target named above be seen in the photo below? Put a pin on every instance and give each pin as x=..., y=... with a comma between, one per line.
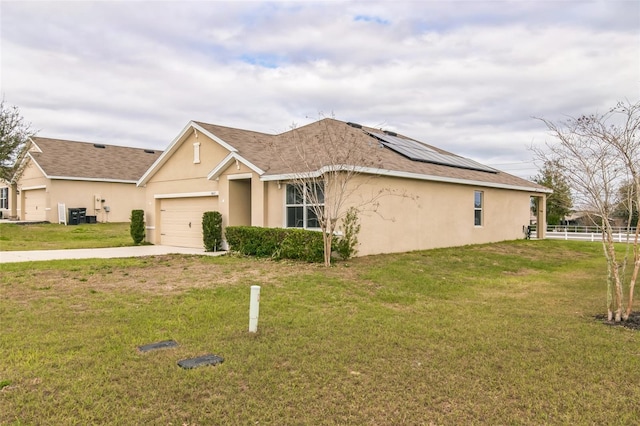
x=280, y=154
x=82, y=160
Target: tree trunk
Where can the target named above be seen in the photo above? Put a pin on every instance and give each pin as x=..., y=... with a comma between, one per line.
x=609, y=280
x=636, y=268
x=327, y=238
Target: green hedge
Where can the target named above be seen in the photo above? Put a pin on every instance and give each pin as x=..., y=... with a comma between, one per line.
x=136, y=228
x=278, y=243
x=211, y=230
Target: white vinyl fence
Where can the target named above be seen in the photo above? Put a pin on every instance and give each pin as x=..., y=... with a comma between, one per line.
x=584, y=233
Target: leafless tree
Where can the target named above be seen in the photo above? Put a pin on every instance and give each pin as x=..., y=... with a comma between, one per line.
x=598, y=154
x=330, y=166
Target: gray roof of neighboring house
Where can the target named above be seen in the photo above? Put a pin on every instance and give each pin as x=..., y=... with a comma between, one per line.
x=281, y=154
x=73, y=160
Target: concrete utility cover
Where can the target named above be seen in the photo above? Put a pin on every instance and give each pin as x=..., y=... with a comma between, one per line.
x=159, y=345
x=200, y=361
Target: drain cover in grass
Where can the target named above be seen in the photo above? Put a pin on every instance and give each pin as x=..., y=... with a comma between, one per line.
x=159, y=345
x=200, y=361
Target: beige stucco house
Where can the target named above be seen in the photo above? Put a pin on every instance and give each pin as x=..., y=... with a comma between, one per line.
x=430, y=198
x=99, y=178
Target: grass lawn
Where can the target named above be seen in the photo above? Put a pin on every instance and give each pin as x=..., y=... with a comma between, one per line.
x=490, y=334
x=50, y=236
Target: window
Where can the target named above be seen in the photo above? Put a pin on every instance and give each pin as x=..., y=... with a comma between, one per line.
x=4, y=198
x=301, y=204
x=477, y=207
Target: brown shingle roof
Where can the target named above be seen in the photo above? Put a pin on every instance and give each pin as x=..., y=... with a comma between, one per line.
x=280, y=154
x=82, y=160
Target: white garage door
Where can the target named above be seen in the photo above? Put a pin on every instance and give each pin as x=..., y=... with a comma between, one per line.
x=181, y=220
x=34, y=205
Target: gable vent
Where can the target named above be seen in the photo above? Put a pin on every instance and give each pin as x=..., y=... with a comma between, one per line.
x=99, y=145
x=355, y=125
x=149, y=151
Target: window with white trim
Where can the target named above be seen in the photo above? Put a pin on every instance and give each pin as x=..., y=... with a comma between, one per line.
x=477, y=207
x=4, y=198
x=302, y=204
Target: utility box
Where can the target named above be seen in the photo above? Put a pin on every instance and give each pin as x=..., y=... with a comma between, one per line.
x=77, y=215
x=97, y=202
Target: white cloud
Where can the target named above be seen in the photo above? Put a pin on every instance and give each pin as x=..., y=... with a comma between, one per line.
x=464, y=76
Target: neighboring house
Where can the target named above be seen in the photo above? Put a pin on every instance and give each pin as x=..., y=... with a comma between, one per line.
x=5, y=188
x=245, y=176
x=96, y=177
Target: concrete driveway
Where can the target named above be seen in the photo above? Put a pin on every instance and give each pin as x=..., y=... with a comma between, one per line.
x=99, y=253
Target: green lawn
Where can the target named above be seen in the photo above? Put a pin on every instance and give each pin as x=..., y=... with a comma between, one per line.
x=490, y=334
x=50, y=236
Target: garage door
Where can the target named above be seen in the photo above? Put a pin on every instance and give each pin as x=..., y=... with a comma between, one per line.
x=34, y=205
x=181, y=220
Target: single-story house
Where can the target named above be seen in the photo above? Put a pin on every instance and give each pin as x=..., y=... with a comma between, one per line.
x=101, y=179
x=425, y=197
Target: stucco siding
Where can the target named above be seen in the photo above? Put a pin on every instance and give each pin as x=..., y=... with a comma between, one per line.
x=180, y=166
x=119, y=199
x=418, y=215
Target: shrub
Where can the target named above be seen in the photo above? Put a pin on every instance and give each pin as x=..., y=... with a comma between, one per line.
x=211, y=230
x=137, y=226
x=301, y=244
x=278, y=243
x=346, y=245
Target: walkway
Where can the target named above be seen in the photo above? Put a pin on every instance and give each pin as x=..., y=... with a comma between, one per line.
x=99, y=253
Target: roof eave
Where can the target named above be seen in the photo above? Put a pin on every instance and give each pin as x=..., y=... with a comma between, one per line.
x=175, y=143
x=227, y=161
x=406, y=175
x=86, y=179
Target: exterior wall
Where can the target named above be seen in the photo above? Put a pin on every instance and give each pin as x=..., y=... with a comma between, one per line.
x=180, y=176
x=121, y=198
x=419, y=215
x=275, y=204
x=32, y=177
x=239, y=202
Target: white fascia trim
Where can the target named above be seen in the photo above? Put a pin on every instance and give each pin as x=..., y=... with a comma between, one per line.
x=187, y=195
x=29, y=188
x=167, y=153
x=405, y=175
x=164, y=156
x=92, y=179
x=226, y=161
x=37, y=165
x=38, y=149
x=240, y=176
x=214, y=137
x=174, y=144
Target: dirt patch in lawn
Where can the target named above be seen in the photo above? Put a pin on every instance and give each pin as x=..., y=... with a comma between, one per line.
x=156, y=275
x=633, y=322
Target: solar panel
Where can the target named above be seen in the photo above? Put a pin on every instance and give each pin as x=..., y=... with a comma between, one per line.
x=418, y=151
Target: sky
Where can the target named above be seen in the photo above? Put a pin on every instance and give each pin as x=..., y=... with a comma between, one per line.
x=465, y=76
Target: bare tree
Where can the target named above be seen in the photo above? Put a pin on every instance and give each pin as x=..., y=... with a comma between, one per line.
x=330, y=166
x=598, y=154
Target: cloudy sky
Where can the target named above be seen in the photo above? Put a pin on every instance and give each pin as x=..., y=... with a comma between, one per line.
x=466, y=76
